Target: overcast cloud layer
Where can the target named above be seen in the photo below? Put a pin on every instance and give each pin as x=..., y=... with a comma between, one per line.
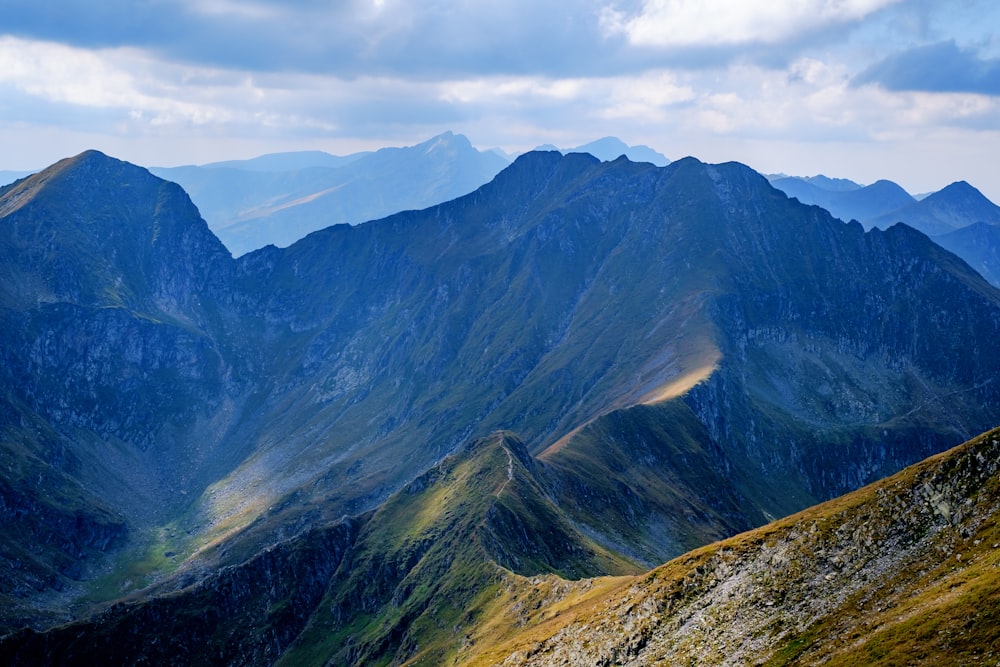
x=865, y=89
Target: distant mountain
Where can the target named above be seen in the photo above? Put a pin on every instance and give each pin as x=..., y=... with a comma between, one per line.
x=958, y=217
x=293, y=161
x=832, y=184
x=242, y=460
x=611, y=148
x=953, y=207
x=844, y=201
x=7, y=177
x=979, y=245
x=278, y=199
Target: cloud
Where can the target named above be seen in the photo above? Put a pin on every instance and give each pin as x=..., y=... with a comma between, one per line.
x=942, y=68
x=444, y=39
x=109, y=79
x=714, y=23
x=434, y=38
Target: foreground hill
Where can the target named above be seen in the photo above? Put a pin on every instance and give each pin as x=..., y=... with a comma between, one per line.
x=901, y=572
x=665, y=342
x=904, y=571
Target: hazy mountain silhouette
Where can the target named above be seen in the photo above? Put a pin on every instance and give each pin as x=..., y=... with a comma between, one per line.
x=278, y=199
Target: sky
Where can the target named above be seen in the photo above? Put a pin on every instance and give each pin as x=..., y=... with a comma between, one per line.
x=907, y=90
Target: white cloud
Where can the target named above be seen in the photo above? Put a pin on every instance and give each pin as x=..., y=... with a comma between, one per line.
x=650, y=97
x=710, y=23
x=243, y=9
x=109, y=79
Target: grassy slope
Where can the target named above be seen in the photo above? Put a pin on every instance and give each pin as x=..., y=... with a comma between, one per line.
x=650, y=481
x=425, y=578
x=904, y=571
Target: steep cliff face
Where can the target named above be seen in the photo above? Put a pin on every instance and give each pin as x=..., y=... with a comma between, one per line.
x=803, y=346
x=835, y=347
x=567, y=288
x=116, y=385
x=98, y=232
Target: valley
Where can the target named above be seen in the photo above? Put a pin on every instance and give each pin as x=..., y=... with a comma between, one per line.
x=472, y=433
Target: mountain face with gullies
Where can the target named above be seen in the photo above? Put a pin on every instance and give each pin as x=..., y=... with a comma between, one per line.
x=664, y=357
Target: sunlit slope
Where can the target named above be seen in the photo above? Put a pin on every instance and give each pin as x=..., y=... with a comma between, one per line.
x=904, y=571
x=650, y=482
x=417, y=580
x=437, y=559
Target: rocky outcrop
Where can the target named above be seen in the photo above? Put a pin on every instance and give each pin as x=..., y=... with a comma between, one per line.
x=853, y=577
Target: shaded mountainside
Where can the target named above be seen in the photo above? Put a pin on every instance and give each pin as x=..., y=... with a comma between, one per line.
x=979, y=245
x=445, y=572
x=904, y=571
x=393, y=584
x=115, y=378
x=667, y=342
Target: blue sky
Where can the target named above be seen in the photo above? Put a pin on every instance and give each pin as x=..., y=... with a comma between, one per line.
x=902, y=89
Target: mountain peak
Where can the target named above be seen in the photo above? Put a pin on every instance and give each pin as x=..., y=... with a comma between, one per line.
x=960, y=189
x=104, y=217
x=448, y=141
x=604, y=146
x=953, y=207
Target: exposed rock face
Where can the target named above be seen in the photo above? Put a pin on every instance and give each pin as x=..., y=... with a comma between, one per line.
x=897, y=570
x=115, y=386
x=712, y=334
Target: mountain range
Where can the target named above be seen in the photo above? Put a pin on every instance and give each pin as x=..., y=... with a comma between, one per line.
x=360, y=448
x=958, y=217
x=279, y=198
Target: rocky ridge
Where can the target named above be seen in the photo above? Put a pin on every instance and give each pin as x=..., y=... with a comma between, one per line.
x=712, y=332
x=897, y=570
